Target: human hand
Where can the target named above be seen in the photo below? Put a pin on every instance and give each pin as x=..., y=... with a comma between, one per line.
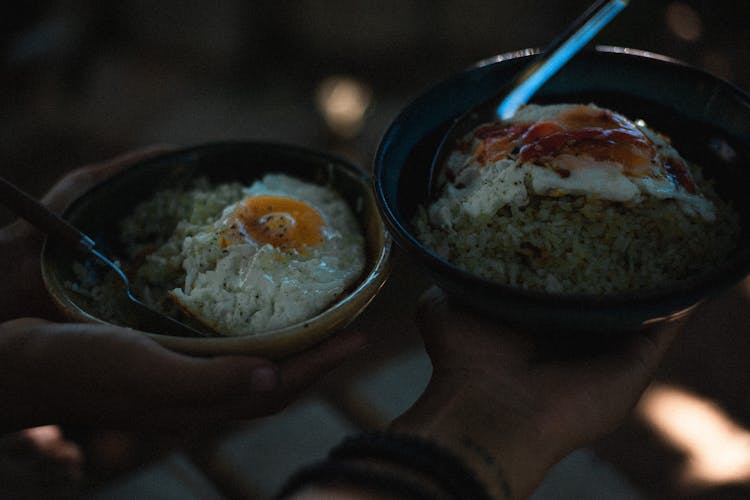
x=22, y=291
x=114, y=377
x=511, y=412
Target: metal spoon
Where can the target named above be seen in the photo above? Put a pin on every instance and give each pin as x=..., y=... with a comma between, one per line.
x=527, y=82
x=55, y=226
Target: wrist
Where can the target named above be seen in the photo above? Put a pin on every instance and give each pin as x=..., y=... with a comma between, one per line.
x=503, y=443
x=390, y=465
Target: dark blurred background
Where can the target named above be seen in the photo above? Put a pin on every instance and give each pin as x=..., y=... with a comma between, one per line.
x=84, y=80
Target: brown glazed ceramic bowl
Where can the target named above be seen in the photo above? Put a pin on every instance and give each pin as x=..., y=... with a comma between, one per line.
x=96, y=213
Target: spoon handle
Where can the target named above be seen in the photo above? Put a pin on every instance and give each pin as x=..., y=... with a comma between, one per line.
x=40, y=216
x=557, y=54
x=55, y=226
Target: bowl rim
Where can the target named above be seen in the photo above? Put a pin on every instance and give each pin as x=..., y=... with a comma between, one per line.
x=276, y=342
x=709, y=282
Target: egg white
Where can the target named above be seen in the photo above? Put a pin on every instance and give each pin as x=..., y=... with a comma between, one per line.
x=245, y=288
x=483, y=189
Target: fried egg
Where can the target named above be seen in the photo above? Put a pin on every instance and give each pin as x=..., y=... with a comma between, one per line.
x=282, y=222
x=278, y=256
x=564, y=149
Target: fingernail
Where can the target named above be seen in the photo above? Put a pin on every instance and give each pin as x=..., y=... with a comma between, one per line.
x=264, y=378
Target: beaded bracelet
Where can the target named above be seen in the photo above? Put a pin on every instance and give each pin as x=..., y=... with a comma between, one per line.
x=409, y=453
x=371, y=479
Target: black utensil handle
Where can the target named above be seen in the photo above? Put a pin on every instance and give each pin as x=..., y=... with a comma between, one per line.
x=40, y=216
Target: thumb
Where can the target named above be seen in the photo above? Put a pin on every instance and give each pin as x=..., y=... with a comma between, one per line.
x=78, y=181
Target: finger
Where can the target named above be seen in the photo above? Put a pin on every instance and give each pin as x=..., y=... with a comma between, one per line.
x=115, y=376
x=169, y=378
x=185, y=380
x=638, y=357
x=22, y=324
x=300, y=371
x=126, y=367
x=649, y=347
x=78, y=181
x=191, y=418
x=625, y=372
x=296, y=375
x=202, y=392
x=457, y=335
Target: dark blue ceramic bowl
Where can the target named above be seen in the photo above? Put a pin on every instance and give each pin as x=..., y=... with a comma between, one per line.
x=707, y=118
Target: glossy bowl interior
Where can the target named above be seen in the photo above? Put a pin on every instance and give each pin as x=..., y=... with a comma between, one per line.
x=707, y=118
x=96, y=213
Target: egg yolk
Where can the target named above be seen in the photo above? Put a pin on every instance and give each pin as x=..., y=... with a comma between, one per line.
x=285, y=223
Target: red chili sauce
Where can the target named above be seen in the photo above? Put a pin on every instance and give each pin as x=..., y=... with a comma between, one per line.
x=579, y=131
